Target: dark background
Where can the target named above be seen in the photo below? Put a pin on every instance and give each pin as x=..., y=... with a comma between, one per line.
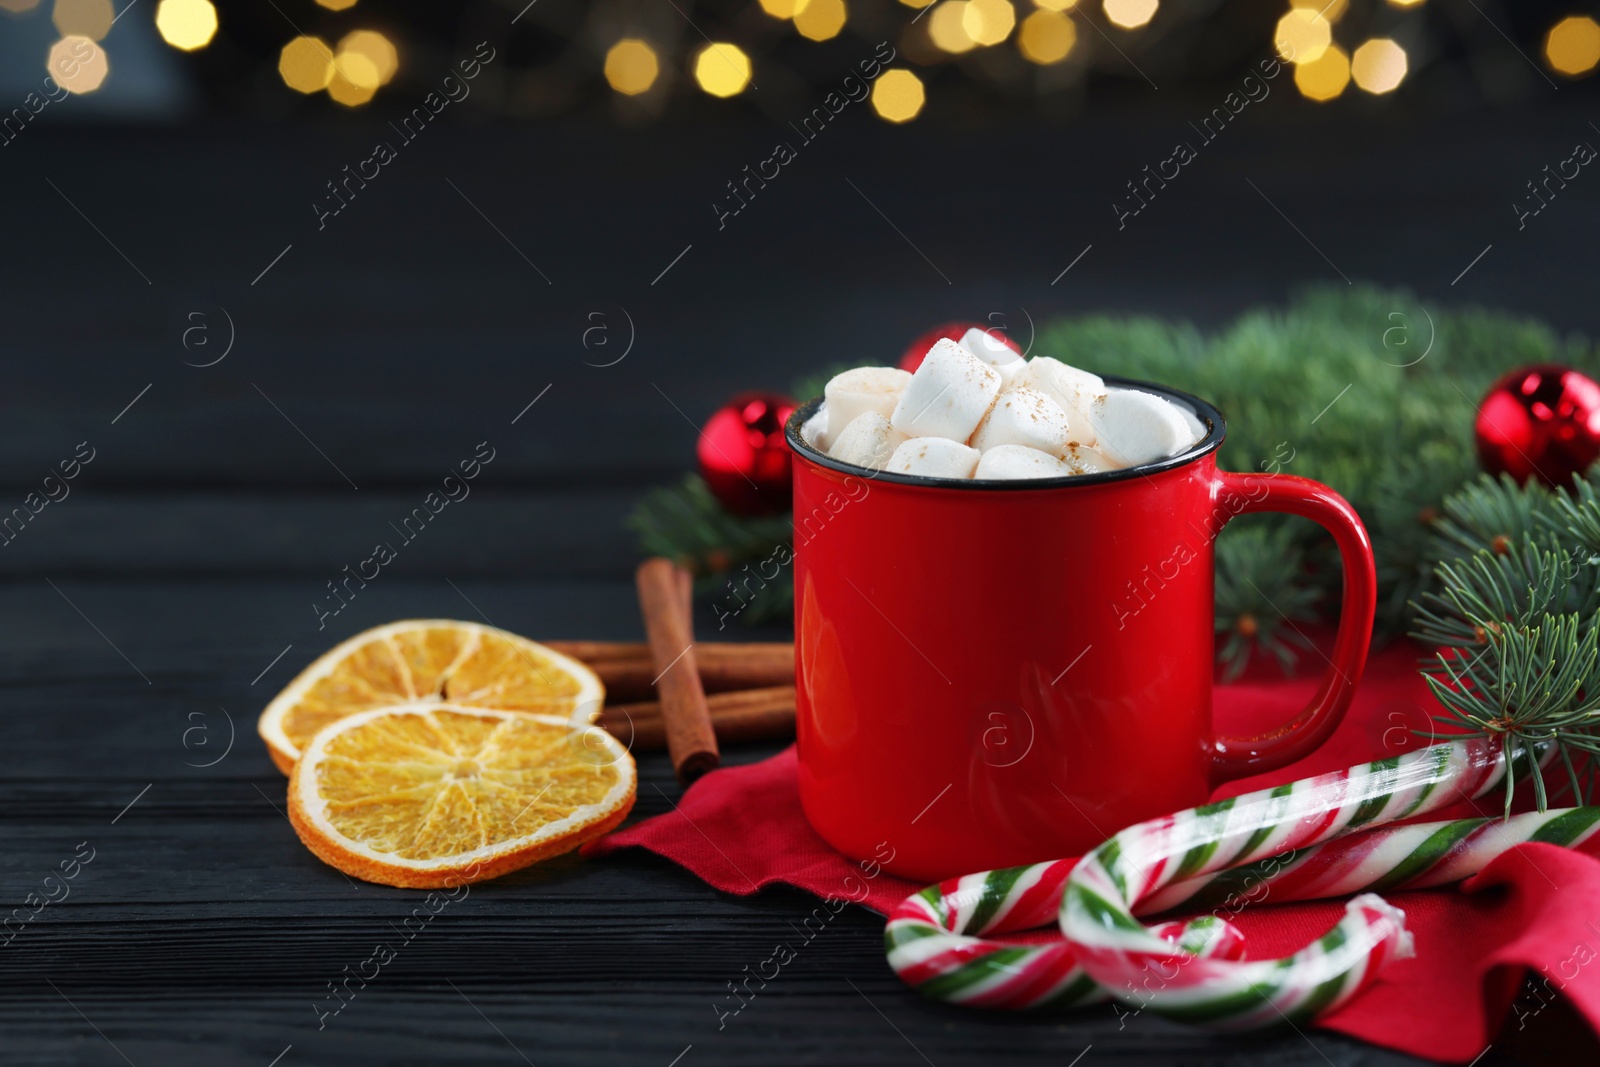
x=378, y=351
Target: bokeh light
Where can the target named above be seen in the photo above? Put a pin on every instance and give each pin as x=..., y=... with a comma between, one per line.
x=1379, y=65
x=988, y=22
x=355, y=79
x=1324, y=77
x=337, y=5
x=306, y=64
x=918, y=4
x=1302, y=35
x=1404, y=3
x=1046, y=37
x=77, y=64
x=631, y=66
x=1131, y=14
x=781, y=9
x=722, y=69
x=947, y=27
x=83, y=18
x=1328, y=10
x=820, y=19
x=1573, y=46
x=1056, y=5
x=186, y=24
x=375, y=47
x=898, y=95
x=17, y=7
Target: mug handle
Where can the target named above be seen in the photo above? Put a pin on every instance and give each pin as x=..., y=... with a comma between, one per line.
x=1236, y=757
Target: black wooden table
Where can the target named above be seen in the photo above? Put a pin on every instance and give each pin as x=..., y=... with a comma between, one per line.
x=262, y=398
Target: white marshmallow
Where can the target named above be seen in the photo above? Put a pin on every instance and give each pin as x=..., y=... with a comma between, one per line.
x=1197, y=429
x=1085, y=460
x=934, y=457
x=860, y=390
x=1020, y=461
x=948, y=396
x=995, y=352
x=868, y=441
x=1134, y=427
x=1075, y=390
x=814, y=431
x=1024, y=417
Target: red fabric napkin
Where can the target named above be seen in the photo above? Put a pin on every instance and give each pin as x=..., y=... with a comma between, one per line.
x=1535, y=908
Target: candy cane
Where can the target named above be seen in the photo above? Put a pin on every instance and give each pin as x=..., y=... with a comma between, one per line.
x=929, y=944
x=1419, y=856
x=1143, y=966
x=930, y=936
x=932, y=941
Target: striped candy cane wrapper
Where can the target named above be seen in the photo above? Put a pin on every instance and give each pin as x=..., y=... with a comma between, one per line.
x=1141, y=966
x=936, y=940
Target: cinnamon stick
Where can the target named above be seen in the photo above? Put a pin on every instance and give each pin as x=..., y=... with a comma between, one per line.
x=685, y=718
x=627, y=669
x=745, y=715
x=686, y=593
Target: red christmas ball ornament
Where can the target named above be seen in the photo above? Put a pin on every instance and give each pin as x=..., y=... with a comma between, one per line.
x=743, y=456
x=1541, y=422
x=912, y=359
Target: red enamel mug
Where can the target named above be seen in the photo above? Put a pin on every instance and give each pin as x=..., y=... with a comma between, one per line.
x=993, y=673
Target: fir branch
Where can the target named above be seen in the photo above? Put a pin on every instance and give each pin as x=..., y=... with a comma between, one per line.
x=687, y=524
x=1490, y=591
x=1261, y=595
x=1530, y=687
x=1493, y=513
x=1516, y=619
x=1577, y=516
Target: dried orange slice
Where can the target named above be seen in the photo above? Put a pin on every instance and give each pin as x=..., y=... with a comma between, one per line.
x=428, y=795
x=421, y=661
